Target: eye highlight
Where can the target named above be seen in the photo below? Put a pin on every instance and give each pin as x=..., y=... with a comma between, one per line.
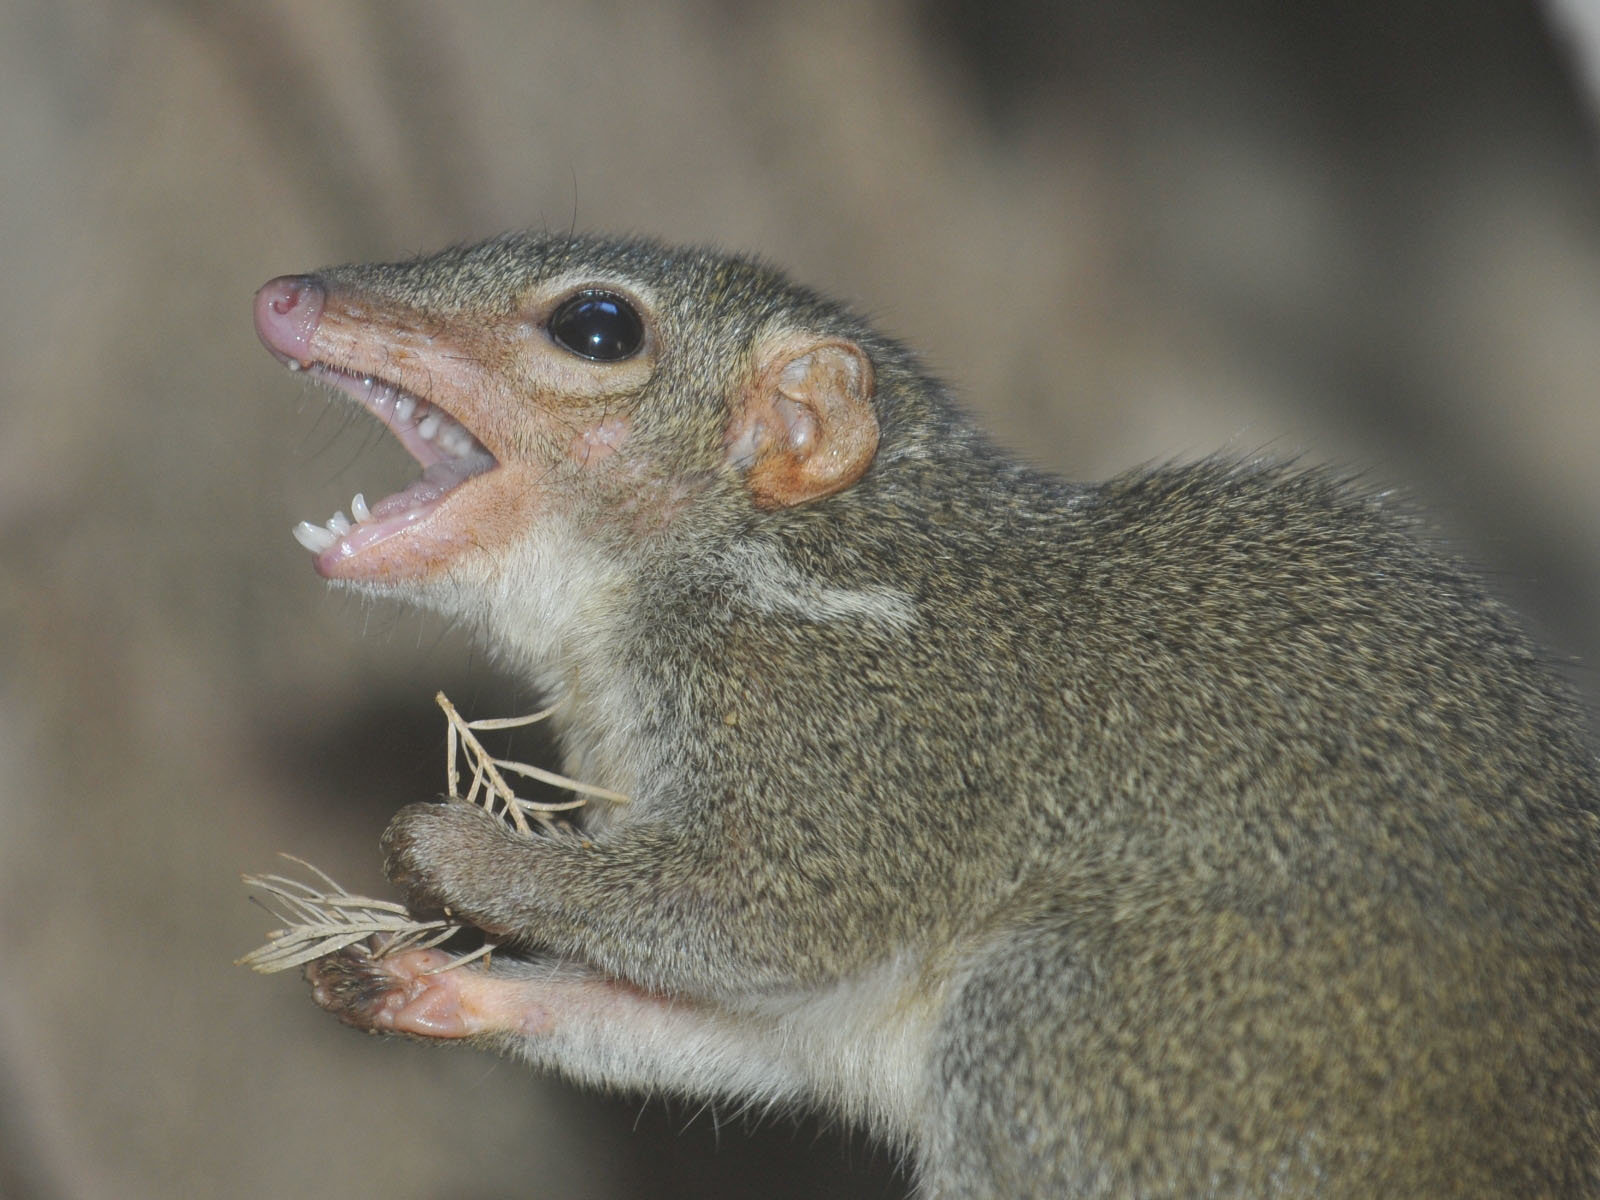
x=599, y=326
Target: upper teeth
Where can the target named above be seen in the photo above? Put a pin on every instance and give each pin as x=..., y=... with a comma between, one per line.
x=432, y=424
x=455, y=439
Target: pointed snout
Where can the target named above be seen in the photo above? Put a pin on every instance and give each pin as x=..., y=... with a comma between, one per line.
x=288, y=310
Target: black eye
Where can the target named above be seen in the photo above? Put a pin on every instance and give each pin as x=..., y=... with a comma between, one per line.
x=598, y=325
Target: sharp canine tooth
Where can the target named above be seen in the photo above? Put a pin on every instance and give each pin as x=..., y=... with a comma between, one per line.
x=314, y=537
x=404, y=406
x=359, y=509
x=339, y=523
x=429, y=425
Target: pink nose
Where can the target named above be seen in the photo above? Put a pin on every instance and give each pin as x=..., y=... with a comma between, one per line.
x=288, y=309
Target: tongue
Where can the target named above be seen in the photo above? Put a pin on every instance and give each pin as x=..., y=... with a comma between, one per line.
x=408, y=506
x=437, y=479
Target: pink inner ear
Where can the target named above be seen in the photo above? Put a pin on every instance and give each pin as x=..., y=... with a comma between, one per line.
x=807, y=428
x=799, y=422
x=793, y=376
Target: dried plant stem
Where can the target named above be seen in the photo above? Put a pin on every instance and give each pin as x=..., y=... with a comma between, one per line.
x=489, y=789
x=322, y=918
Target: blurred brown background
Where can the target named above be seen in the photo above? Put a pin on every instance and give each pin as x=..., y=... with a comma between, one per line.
x=1125, y=229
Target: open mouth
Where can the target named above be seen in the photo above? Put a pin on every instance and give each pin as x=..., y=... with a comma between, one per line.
x=448, y=452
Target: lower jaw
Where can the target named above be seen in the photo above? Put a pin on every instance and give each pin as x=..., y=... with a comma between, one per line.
x=458, y=539
x=425, y=546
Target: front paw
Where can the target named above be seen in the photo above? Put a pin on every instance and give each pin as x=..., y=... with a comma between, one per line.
x=446, y=859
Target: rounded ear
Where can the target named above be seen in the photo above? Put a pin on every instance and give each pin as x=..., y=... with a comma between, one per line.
x=805, y=428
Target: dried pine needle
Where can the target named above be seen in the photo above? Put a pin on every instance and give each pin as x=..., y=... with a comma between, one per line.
x=322, y=918
x=489, y=789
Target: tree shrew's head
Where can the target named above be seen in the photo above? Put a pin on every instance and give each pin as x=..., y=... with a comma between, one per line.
x=551, y=380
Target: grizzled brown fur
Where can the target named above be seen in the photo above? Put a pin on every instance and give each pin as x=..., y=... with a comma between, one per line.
x=1202, y=832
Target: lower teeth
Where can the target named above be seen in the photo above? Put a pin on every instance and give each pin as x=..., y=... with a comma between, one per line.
x=314, y=538
x=317, y=538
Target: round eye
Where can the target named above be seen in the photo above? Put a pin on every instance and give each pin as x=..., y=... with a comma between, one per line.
x=601, y=326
